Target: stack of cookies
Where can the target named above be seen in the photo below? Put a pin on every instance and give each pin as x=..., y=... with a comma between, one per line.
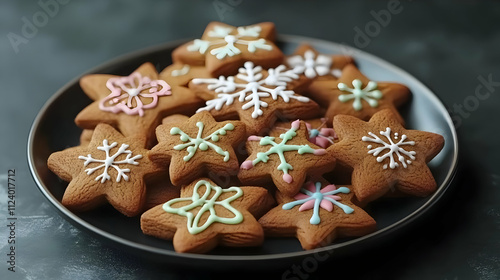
x=236, y=142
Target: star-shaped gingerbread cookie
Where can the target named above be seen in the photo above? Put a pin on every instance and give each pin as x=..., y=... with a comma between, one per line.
x=111, y=168
x=319, y=214
x=224, y=48
x=256, y=96
x=385, y=155
x=133, y=104
x=356, y=95
x=197, y=146
x=207, y=215
x=314, y=65
x=319, y=133
x=286, y=161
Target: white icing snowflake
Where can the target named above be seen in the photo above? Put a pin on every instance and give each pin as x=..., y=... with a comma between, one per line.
x=370, y=94
x=253, y=90
x=193, y=144
x=228, y=43
x=392, y=147
x=110, y=161
x=309, y=65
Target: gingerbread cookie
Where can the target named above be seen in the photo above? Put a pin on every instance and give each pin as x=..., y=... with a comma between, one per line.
x=383, y=154
x=197, y=146
x=206, y=216
x=319, y=133
x=356, y=95
x=314, y=65
x=179, y=74
x=134, y=104
x=159, y=190
x=256, y=96
x=319, y=214
x=286, y=162
x=224, y=48
x=111, y=168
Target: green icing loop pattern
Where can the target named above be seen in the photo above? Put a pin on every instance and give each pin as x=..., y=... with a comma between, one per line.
x=206, y=204
x=193, y=144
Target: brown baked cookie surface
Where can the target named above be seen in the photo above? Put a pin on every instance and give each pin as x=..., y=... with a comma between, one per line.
x=256, y=96
x=133, y=104
x=356, y=95
x=197, y=146
x=385, y=155
x=206, y=216
x=179, y=74
x=224, y=48
x=110, y=169
x=319, y=132
x=314, y=65
x=286, y=160
x=317, y=215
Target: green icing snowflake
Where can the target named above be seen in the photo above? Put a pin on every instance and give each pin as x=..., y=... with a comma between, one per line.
x=370, y=94
x=193, y=144
x=280, y=149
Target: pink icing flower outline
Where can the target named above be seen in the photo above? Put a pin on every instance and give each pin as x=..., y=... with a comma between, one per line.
x=124, y=90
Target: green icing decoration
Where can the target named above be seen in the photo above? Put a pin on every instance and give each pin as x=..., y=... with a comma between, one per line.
x=193, y=144
x=280, y=149
x=370, y=94
x=207, y=203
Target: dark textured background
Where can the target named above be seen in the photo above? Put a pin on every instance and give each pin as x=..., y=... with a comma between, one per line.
x=448, y=45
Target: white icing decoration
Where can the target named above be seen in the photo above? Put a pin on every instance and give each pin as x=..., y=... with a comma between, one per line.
x=228, y=43
x=392, y=147
x=309, y=65
x=253, y=90
x=370, y=94
x=110, y=161
x=181, y=72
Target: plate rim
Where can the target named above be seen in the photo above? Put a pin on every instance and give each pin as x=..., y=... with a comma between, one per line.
x=82, y=224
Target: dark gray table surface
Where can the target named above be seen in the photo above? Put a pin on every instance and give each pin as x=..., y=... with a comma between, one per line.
x=452, y=47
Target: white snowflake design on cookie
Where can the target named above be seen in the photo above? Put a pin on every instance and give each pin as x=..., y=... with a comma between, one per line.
x=393, y=148
x=309, y=65
x=251, y=92
x=110, y=161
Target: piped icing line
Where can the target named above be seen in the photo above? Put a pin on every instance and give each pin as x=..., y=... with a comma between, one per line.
x=321, y=136
x=393, y=147
x=313, y=197
x=310, y=65
x=251, y=92
x=221, y=36
x=110, y=161
x=127, y=94
x=369, y=93
x=181, y=72
x=206, y=203
x=280, y=150
x=193, y=144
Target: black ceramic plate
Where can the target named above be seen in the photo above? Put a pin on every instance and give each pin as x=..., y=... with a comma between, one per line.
x=54, y=130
